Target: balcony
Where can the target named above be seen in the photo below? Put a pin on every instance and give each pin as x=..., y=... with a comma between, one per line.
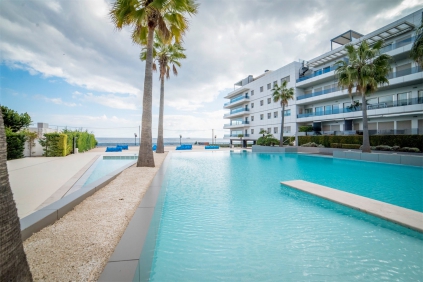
x=391, y=75
x=236, y=101
x=235, y=124
x=235, y=135
x=385, y=49
x=409, y=131
x=384, y=105
x=237, y=112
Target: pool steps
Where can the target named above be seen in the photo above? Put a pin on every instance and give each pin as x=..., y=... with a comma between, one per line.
x=402, y=216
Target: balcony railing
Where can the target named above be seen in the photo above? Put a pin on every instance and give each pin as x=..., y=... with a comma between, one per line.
x=398, y=103
x=390, y=76
x=236, y=100
x=239, y=110
x=237, y=123
x=409, y=131
x=236, y=135
x=385, y=49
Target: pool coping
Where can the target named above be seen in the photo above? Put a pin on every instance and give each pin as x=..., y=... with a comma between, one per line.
x=49, y=214
x=123, y=263
x=396, y=214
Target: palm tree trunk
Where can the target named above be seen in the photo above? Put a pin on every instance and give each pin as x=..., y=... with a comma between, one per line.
x=160, y=145
x=366, y=139
x=282, y=122
x=145, y=155
x=13, y=263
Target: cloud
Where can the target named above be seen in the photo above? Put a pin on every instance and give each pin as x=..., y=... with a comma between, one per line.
x=112, y=101
x=57, y=101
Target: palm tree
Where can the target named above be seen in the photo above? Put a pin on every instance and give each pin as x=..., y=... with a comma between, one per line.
x=240, y=137
x=263, y=131
x=417, y=50
x=167, y=17
x=13, y=263
x=164, y=55
x=365, y=70
x=282, y=94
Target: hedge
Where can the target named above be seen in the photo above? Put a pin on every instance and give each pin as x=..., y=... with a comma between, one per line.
x=375, y=140
x=15, y=144
x=61, y=144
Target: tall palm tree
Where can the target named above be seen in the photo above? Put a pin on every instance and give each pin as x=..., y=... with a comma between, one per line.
x=168, y=18
x=417, y=50
x=365, y=71
x=167, y=56
x=13, y=263
x=282, y=94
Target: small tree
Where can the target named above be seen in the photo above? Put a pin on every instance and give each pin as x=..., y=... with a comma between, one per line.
x=282, y=94
x=30, y=138
x=14, y=120
x=240, y=136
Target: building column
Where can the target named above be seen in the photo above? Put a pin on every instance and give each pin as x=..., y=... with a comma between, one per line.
x=414, y=126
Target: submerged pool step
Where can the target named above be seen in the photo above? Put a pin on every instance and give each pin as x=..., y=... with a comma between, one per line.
x=405, y=217
x=120, y=157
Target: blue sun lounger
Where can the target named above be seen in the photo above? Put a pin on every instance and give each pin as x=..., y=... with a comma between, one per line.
x=113, y=149
x=124, y=147
x=209, y=147
x=154, y=147
x=184, y=147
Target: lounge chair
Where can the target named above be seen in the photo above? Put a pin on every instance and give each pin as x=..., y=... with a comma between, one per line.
x=154, y=147
x=211, y=147
x=113, y=149
x=184, y=147
x=124, y=147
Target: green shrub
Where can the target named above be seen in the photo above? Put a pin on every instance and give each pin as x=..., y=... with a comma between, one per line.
x=312, y=144
x=15, y=144
x=415, y=141
x=383, y=148
x=305, y=128
x=335, y=145
x=54, y=144
x=85, y=141
x=267, y=140
x=350, y=146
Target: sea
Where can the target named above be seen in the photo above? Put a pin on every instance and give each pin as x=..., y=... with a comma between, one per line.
x=103, y=142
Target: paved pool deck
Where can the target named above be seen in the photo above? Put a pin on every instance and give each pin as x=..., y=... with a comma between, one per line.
x=39, y=181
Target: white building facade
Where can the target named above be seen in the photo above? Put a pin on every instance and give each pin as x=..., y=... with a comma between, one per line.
x=396, y=108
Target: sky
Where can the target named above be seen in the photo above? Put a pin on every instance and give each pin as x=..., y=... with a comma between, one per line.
x=65, y=64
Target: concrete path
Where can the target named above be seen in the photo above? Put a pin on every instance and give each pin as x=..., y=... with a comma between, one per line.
x=39, y=181
x=405, y=217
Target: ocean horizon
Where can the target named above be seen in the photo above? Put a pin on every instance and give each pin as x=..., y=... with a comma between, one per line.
x=104, y=141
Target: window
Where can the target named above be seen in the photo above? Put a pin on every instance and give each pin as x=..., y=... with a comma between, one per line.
x=252, y=118
x=252, y=131
x=252, y=92
x=261, y=88
x=275, y=83
x=420, y=97
x=275, y=114
x=275, y=130
x=287, y=113
x=328, y=110
x=261, y=117
x=326, y=69
x=261, y=102
x=308, y=110
x=287, y=79
x=269, y=115
x=269, y=86
x=318, y=111
x=252, y=105
x=287, y=129
x=402, y=98
x=403, y=69
x=269, y=130
x=269, y=100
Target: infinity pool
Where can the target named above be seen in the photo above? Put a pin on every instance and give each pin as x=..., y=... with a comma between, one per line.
x=226, y=217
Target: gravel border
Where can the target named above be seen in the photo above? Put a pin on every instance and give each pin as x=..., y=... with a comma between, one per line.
x=78, y=246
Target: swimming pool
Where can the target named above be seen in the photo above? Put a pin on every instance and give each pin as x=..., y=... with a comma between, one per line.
x=226, y=217
x=104, y=166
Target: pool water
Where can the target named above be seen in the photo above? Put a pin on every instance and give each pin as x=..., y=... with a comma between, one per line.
x=226, y=217
x=106, y=166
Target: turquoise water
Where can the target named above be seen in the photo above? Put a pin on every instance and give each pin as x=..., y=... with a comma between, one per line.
x=104, y=167
x=226, y=218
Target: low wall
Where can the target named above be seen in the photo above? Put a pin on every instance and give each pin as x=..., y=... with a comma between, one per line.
x=273, y=149
x=53, y=212
x=391, y=158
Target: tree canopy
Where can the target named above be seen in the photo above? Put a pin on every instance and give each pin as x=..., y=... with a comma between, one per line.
x=15, y=121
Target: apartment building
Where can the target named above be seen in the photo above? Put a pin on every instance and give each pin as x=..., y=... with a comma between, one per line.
x=396, y=108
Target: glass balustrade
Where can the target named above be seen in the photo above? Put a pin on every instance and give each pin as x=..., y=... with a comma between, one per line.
x=236, y=100
x=389, y=104
x=385, y=49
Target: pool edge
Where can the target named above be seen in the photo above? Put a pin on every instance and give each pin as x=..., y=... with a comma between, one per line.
x=123, y=263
